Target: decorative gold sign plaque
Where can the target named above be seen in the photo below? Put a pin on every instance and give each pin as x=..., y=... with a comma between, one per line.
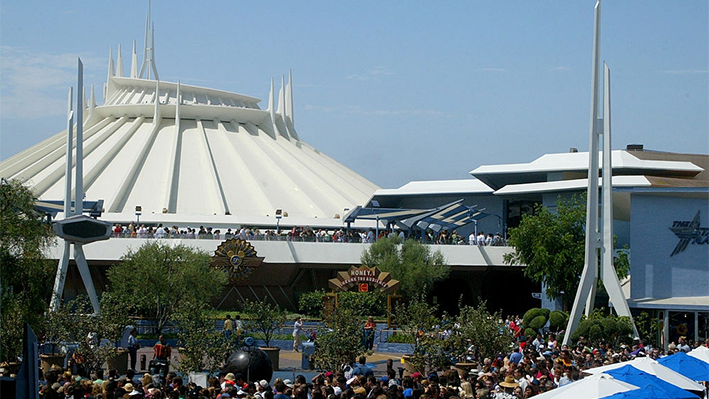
x=363, y=275
x=237, y=258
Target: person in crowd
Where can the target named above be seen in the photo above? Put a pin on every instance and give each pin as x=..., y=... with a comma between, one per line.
x=162, y=351
x=133, y=346
x=370, y=328
x=228, y=327
x=362, y=369
x=297, y=333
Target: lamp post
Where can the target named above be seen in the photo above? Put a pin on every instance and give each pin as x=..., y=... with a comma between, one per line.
x=279, y=215
x=138, y=212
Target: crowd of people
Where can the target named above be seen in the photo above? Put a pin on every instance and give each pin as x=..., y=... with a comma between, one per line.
x=304, y=234
x=535, y=365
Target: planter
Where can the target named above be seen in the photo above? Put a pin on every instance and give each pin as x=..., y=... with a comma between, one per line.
x=47, y=361
x=409, y=367
x=273, y=354
x=464, y=368
x=12, y=368
x=119, y=362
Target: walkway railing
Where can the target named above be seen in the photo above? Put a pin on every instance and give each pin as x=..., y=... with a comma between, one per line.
x=495, y=242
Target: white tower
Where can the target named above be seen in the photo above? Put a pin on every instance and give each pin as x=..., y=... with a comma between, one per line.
x=599, y=234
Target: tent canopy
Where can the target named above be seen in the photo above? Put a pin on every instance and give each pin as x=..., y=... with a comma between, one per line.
x=688, y=366
x=642, y=379
x=651, y=366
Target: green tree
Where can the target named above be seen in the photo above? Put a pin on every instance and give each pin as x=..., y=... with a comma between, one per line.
x=410, y=262
x=339, y=339
x=265, y=318
x=485, y=332
x=364, y=303
x=156, y=280
x=552, y=246
x=202, y=347
x=417, y=320
x=26, y=277
x=97, y=335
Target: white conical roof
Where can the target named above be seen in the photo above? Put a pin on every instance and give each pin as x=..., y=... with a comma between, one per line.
x=210, y=153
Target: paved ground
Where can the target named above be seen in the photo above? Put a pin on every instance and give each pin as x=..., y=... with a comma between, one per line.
x=290, y=363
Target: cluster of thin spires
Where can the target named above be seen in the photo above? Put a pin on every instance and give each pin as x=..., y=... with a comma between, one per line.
x=285, y=94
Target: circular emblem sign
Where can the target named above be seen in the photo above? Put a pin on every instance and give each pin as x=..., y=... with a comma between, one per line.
x=237, y=258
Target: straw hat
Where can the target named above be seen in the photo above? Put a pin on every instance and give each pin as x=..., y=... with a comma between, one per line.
x=509, y=382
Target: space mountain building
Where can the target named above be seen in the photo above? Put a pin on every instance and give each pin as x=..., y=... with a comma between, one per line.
x=165, y=153
x=188, y=154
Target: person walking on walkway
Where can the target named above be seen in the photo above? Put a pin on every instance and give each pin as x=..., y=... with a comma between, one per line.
x=297, y=332
x=228, y=327
x=133, y=346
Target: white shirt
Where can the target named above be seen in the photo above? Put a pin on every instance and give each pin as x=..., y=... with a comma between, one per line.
x=471, y=239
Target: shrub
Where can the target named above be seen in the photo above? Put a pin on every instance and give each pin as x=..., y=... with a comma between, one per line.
x=363, y=303
x=530, y=315
x=400, y=338
x=537, y=323
x=310, y=303
x=597, y=327
x=545, y=312
x=528, y=332
x=558, y=320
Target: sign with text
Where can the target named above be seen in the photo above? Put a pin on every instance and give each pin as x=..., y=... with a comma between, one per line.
x=363, y=275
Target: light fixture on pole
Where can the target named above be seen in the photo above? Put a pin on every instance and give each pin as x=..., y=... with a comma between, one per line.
x=279, y=215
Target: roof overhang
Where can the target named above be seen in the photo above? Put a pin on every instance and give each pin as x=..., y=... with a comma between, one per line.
x=692, y=303
x=624, y=163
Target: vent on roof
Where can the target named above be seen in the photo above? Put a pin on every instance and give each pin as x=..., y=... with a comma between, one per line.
x=634, y=147
x=573, y=149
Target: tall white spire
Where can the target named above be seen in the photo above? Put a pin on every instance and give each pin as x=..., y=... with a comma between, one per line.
x=119, y=63
x=134, y=63
x=599, y=235
x=92, y=102
x=110, y=73
x=271, y=101
x=148, y=49
x=289, y=97
x=282, y=98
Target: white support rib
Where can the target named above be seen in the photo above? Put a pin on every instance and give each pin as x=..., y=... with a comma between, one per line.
x=100, y=166
x=43, y=185
x=173, y=178
x=156, y=114
x=132, y=175
x=119, y=62
x=216, y=181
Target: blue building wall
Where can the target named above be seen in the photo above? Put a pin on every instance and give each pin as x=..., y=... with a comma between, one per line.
x=655, y=272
